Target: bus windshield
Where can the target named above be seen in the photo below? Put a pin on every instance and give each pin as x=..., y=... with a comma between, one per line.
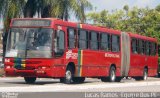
x=29, y=43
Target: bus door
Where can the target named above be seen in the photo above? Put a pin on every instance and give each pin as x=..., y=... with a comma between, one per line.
x=125, y=54
x=59, y=49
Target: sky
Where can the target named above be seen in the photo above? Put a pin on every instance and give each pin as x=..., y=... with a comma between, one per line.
x=119, y=4
x=110, y=5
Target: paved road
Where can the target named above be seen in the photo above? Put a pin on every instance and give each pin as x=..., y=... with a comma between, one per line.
x=90, y=85
x=92, y=88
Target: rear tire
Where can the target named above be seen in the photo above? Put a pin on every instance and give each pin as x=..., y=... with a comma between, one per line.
x=144, y=77
x=30, y=80
x=78, y=79
x=145, y=74
x=105, y=79
x=112, y=75
x=158, y=74
x=138, y=78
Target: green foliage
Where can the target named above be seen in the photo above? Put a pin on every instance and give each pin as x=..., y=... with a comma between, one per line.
x=10, y=9
x=143, y=21
x=63, y=8
x=46, y=8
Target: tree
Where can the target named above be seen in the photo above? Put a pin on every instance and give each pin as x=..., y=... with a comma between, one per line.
x=45, y=8
x=10, y=9
x=62, y=9
x=126, y=8
x=144, y=21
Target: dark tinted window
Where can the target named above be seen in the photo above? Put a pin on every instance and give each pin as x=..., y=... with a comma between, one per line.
x=153, y=49
x=147, y=52
x=94, y=40
x=115, y=43
x=134, y=46
x=82, y=39
x=71, y=38
x=141, y=46
x=105, y=42
x=59, y=43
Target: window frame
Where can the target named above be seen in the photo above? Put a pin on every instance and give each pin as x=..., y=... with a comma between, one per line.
x=153, y=50
x=141, y=48
x=90, y=40
x=75, y=34
x=108, y=44
x=136, y=46
x=119, y=42
x=64, y=43
x=87, y=39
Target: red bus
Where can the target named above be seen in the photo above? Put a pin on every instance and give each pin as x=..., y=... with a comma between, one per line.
x=53, y=48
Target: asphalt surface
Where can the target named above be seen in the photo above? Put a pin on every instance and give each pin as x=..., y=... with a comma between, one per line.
x=90, y=85
x=91, y=88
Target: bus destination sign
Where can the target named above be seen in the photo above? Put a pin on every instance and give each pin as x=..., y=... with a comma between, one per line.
x=31, y=22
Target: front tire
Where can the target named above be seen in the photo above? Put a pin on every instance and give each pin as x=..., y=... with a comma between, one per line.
x=69, y=75
x=61, y=80
x=30, y=80
x=78, y=79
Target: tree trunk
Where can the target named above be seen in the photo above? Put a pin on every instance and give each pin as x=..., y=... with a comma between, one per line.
x=29, y=9
x=46, y=12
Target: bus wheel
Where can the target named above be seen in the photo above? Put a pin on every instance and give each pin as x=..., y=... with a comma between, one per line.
x=30, y=80
x=68, y=75
x=78, y=79
x=158, y=74
x=145, y=74
x=104, y=79
x=61, y=80
x=112, y=74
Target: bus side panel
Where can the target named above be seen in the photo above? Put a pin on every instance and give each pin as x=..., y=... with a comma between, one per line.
x=138, y=62
x=92, y=64
x=152, y=70
x=96, y=64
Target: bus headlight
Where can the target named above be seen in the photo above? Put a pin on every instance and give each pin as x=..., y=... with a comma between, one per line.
x=7, y=60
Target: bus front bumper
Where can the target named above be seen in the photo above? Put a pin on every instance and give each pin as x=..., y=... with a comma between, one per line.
x=39, y=72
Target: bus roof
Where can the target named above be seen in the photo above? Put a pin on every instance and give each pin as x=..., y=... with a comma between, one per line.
x=142, y=37
x=60, y=22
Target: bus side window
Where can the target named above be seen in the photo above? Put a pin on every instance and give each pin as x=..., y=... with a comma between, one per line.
x=82, y=39
x=134, y=46
x=150, y=48
x=105, y=42
x=94, y=40
x=71, y=38
x=147, y=48
x=115, y=43
x=153, y=49
x=59, y=43
x=156, y=49
x=141, y=47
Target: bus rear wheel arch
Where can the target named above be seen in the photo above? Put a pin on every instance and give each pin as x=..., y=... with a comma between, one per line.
x=144, y=75
x=112, y=75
